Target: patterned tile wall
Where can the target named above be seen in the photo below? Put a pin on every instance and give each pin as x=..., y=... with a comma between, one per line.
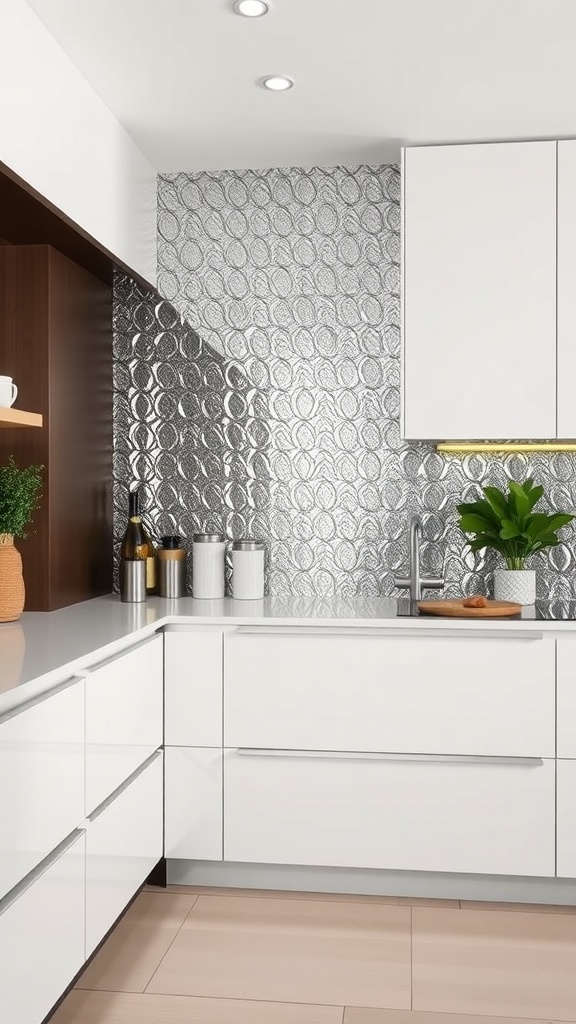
x=261, y=396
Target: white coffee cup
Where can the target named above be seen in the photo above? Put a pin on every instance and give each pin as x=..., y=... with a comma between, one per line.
x=8, y=391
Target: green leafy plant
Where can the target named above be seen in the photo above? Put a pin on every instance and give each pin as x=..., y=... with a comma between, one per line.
x=19, y=497
x=506, y=522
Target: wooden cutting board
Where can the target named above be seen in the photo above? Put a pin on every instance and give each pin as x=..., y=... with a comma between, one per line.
x=455, y=609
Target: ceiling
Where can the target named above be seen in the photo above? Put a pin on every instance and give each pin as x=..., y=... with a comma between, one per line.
x=370, y=75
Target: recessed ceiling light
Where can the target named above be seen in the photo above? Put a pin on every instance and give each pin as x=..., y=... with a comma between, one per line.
x=251, y=8
x=277, y=83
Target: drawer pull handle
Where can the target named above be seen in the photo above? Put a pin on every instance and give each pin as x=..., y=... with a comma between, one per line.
x=40, y=698
x=394, y=632
x=338, y=755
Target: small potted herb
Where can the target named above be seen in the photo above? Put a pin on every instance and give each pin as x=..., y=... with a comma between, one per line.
x=506, y=522
x=19, y=499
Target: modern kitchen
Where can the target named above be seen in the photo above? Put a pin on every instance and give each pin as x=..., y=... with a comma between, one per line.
x=287, y=512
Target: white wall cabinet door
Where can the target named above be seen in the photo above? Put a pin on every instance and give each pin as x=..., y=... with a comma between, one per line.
x=124, y=716
x=193, y=688
x=60, y=136
x=363, y=812
x=479, y=291
x=42, y=939
x=41, y=779
x=567, y=288
x=566, y=819
x=418, y=694
x=193, y=803
x=123, y=844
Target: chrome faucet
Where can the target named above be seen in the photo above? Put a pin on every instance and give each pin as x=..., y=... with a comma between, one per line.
x=414, y=582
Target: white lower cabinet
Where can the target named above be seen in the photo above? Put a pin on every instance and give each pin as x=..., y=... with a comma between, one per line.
x=42, y=939
x=480, y=816
x=124, y=717
x=193, y=803
x=193, y=688
x=123, y=843
x=420, y=694
x=41, y=779
x=566, y=819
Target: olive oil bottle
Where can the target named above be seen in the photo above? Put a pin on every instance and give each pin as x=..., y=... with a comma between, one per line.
x=136, y=543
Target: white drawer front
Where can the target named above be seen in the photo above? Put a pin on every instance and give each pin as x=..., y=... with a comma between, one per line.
x=123, y=844
x=414, y=694
x=42, y=940
x=41, y=780
x=124, y=713
x=483, y=818
x=566, y=696
x=193, y=803
x=193, y=689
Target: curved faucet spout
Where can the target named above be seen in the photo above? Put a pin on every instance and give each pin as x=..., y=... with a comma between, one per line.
x=413, y=581
x=415, y=538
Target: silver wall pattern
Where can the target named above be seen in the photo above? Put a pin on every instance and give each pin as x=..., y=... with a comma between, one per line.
x=261, y=396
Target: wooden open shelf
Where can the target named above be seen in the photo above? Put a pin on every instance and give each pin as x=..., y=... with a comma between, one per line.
x=19, y=418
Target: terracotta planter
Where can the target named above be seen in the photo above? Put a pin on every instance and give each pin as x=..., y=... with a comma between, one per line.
x=11, y=580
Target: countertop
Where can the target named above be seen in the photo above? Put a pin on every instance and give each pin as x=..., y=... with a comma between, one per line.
x=44, y=647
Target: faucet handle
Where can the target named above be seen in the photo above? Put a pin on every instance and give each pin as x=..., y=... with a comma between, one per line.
x=434, y=583
x=402, y=583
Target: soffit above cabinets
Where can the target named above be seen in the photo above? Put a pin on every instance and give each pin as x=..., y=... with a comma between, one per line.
x=181, y=75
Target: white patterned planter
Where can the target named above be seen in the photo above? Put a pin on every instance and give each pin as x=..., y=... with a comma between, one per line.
x=515, y=585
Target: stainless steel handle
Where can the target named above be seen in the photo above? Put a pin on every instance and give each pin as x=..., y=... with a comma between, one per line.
x=40, y=698
x=120, y=654
x=39, y=870
x=345, y=755
x=430, y=630
x=434, y=583
x=124, y=785
x=313, y=630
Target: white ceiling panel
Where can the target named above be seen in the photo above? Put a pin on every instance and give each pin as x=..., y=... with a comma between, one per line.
x=182, y=75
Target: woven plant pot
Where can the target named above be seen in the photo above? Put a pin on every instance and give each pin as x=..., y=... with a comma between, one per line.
x=11, y=580
x=517, y=585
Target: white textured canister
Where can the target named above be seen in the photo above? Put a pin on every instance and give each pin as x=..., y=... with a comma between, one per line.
x=247, y=570
x=208, y=554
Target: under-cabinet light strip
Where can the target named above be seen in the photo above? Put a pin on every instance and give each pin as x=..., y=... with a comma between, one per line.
x=467, y=447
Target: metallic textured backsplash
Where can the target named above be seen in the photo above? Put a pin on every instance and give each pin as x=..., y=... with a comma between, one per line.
x=261, y=397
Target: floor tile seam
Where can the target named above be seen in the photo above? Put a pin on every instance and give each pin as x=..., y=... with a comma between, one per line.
x=411, y=964
x=231, y=999
x=444, y=1018
x=169, y=947
x=513, y=910
x=330, y=897
x=353, y=903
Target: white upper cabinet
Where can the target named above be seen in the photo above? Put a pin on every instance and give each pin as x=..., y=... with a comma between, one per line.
x=59, y=136
x=479, y=291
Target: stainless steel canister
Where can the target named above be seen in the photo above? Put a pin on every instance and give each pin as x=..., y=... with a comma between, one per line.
x=171, y=568
x=133, y=580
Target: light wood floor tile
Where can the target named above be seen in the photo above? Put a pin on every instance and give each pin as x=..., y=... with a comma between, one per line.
x=519, y=908
x=325, y=897
x=123, y=1008
x=357, y=1015
x=290, y=951
x=498, y=963
x=130, y=956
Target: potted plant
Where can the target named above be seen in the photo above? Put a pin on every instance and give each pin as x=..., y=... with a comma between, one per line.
x=507, y=523
x=19, y=499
